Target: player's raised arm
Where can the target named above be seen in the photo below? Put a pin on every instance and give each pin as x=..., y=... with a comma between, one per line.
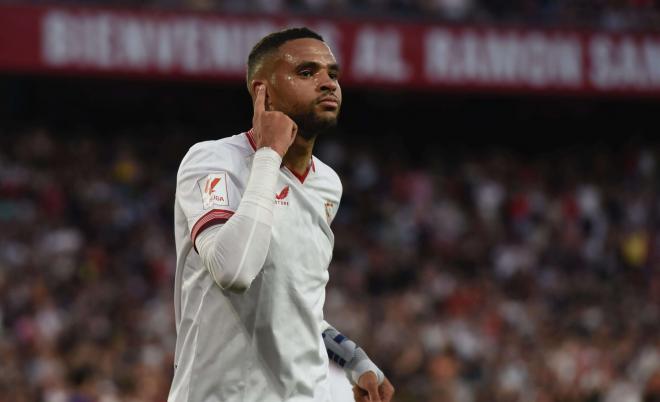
x=235, y=252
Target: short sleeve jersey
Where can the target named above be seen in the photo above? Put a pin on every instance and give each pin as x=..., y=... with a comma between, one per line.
x=264, y=344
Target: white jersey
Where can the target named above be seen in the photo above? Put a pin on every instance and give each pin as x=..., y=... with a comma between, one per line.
x=265, y=344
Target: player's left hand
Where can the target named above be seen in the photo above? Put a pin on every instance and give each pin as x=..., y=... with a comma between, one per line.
x=368, y=390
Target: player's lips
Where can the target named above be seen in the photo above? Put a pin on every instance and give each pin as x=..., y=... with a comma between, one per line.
x=330, y=101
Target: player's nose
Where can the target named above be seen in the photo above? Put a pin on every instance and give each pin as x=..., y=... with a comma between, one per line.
x=327, y=83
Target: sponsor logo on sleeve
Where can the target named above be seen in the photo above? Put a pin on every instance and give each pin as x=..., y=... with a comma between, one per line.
x=214, y=190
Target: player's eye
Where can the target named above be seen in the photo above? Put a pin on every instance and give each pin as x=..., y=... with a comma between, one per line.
x=333, y=75
x=306, y=73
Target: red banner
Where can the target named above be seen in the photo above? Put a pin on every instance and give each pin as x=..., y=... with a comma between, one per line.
x=423, y=56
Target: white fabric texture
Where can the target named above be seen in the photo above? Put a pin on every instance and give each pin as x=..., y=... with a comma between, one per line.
x=235, y=252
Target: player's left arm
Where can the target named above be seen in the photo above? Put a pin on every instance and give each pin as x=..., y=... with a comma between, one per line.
x=369, y=382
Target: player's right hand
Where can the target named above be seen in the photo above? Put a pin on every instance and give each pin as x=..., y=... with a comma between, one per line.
x=271, y=128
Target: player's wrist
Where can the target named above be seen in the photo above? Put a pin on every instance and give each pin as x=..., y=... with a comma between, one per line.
x=269, y=152
x=280, y=150
x=362, y=367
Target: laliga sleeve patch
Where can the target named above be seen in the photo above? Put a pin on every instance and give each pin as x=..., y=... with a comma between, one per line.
x=214, y=190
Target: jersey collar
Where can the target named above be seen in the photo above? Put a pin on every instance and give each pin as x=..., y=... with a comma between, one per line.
x=301, y=177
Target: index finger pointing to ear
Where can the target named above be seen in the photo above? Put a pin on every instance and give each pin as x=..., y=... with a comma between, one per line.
x=260, y=99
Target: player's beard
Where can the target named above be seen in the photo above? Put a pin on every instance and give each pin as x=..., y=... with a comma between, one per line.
x=310, y=124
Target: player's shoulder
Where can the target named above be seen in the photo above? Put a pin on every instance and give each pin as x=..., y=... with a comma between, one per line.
x=327, y=173
x=226, y=151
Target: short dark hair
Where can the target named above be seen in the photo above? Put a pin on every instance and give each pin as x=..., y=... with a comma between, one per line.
x=272, y=42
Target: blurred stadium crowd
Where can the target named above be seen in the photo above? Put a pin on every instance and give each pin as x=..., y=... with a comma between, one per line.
x=489, y=277
x=608, y=14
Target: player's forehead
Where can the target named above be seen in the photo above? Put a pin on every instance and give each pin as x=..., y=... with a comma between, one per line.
x=304, y=50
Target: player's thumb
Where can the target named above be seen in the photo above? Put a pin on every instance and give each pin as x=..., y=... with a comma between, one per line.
x=294, y=131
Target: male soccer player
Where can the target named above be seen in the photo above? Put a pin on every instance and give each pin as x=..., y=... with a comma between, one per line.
x=253, y=242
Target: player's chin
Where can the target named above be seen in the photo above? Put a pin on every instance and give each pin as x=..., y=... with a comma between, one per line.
x=328, y=114
x=327, y=121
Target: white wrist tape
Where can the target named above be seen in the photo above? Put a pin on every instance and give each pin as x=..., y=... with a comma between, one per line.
x=348, y=355
x=363, y=366
x=235, y=252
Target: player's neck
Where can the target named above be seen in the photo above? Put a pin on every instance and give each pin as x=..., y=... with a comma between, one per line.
x=299, y=154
